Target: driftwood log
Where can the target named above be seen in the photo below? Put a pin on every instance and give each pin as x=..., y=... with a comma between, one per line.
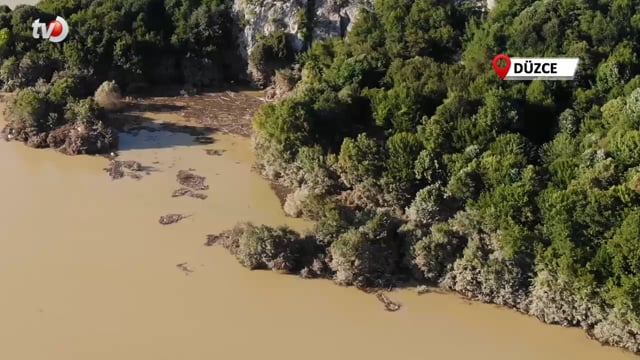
x=171, y=219
x=389, y=304
x=188, y=192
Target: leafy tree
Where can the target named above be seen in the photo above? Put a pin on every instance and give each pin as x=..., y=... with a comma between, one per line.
x=360, y=159
x=399, y=178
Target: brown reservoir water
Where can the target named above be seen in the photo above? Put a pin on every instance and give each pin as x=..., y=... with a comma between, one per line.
x=86, y=272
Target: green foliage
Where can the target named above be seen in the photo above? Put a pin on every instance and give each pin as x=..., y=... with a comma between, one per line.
x=434, y=255
x=512, y=192
x=518, y=180
x=271, y=48
x=624, y=247
x=400, y=178
x=359, y=159
x=65, y=89
x=366, y=255
x=129, y=40
x=304, y=24
x=264, y=247
x=108, y=95
x=5, y=40
x=9, y=73
x=85, y=111
x=29, y=109
x=286, y=124
x=428, y=206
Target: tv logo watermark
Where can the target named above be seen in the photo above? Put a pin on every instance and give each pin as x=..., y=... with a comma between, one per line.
x=535, y=68
x=55, y=31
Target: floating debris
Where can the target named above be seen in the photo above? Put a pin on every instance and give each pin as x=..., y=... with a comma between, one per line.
x=191, y=180
x=214, y=152
x=185, y=268
x=204, y=140
x=132, y=165
x=422, y=289
x=389, y=304
x=171, y=219
x=181, y=192
x=188, y=192
x=116, y=169
x=213, y=239
x=228, y=239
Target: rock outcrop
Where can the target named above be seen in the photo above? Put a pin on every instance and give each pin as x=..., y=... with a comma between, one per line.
x=303, y=20
x=262, y=17
x=333, y=18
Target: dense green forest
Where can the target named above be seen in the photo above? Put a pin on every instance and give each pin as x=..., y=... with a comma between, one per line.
x=135, y=44
x=418, y=164
x=130, y=41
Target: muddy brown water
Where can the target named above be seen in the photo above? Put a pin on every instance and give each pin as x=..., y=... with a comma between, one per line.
x=86, y=272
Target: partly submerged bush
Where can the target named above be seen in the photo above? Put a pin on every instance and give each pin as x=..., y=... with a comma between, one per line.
x=108, y=96
x=264, y=247
x=77, y=129
x=85, y=111
x=27, y=110
x=366, y=256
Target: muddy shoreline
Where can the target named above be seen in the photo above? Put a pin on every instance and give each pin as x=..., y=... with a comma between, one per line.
x=226, y=111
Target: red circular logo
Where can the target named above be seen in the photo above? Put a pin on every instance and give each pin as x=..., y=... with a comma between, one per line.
x=56, y=27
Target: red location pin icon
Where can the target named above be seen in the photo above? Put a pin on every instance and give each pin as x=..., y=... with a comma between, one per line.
x=501, y=71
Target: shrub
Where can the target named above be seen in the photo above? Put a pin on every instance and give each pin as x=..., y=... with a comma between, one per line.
x=360, y=158
x=108, y=96
x=9, y=74
x=434, y=255
x=28, y=109
x=271, y=52
x=286, y=80
x=264, y=247
x=365, y=256
x=427, y=207
x=35, y=66
x=84, y=111
x=64, y=89
x=5, y=40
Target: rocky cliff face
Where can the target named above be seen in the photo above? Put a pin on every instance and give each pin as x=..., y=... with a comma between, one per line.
x=335, y=17
x=304, y=20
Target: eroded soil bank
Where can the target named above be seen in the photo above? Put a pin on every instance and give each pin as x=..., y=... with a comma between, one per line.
x=88, y=273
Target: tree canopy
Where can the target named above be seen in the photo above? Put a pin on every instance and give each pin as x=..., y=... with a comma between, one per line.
x=498, y=183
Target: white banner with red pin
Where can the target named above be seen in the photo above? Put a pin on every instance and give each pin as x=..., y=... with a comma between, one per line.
x=535, y=68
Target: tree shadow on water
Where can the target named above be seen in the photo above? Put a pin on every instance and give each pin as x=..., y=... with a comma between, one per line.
x=141, y=132
x=152, y=107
